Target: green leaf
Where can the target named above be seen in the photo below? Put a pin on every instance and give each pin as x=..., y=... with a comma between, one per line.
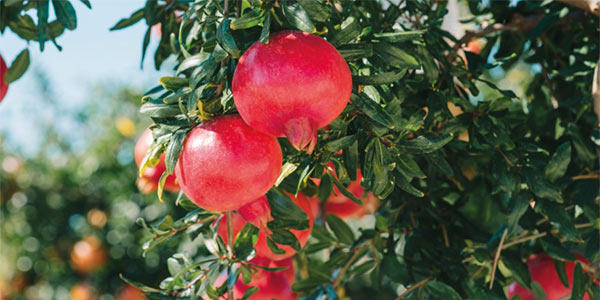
x=341, y=230
x=405, y=185
x=344, y=190
x=440, y=290
x=286, y=214
x=86, y=3
x=285, y=237
x=373, y=110
x=560, y=219
x=249, y=292
x=378, y=79
x=350, y=31
x=244, y=242
x=65, y=13
x=226, y=40
x=408, y=167
x=298, y=17
x=144, y=288
x=305, y=284
x=562, y=272
x=126, y=22
x=425, y=144
x=400, y=36
x=42, y=14
x=538, y=291
x=579, y=283
x=325, y=189
x=145, y=44
x=174, y=266
x=17, y=67
x=356, y=51
x=541, y=187
x=173, y=83
x=273, y=246
x=157, y=109
x=395, y=56
x=249, y=19
x=554, y=249
x=341, y=143
x=174, y=149
x=395, y=269
x=517, y=207
x=316, y=10
x=518, y=270
x=559, y=162
x=266, y=30
x=165, y=224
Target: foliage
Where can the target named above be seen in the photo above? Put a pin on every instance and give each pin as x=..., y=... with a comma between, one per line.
x=16, y=15
x=458, y=216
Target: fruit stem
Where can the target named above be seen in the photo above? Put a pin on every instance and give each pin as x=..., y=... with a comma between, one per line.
x=229, y=217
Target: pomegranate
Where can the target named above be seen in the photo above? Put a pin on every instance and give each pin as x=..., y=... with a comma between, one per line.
x=149, y=180
x=542, y=270
x=3, y=85
x=344, y=207
x=82, y=291
x=258, y=213
x=274, y=285
x=130, y=292
x=292, y=86
x=88, y=255
x=225, y=164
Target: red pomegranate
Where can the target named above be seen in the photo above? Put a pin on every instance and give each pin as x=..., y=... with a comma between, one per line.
x=292, y=86
x=344, y=207
x=3, y=85
x=258, y=213
x=149, y=180
x=542, y=270
x=225, y=164
x=271, y=285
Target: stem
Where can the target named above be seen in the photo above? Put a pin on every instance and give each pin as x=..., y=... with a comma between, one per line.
x=348, y=264
x=414, y=287
x=229, y=216
x=175, y=230
x=497, y=258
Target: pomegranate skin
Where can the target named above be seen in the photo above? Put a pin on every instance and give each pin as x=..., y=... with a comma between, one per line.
x=149, y=180
x=225, y=164
x=258, y=216
x=3, y=85
x=292, y=86
x=274, y=285
x=542, y=270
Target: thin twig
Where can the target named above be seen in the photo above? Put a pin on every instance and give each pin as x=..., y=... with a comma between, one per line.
x=348, y=264
x=414, y=287
x=229, y=216
x=445, y=234
x=184, y=227
x=586, y=176
x=497, y=257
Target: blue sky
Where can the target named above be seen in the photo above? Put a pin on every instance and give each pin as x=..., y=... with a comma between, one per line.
x=91, y=54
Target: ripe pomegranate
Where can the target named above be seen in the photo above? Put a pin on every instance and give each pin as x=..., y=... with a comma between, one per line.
x=82, y=291
x=274, y=285
x=292, y=86
x=258, y=213
x=542, y=270
x=130, y=292
x=225, y=164
x=149, y=180
x=3, y=85
x=88, y=255
x=344, y=207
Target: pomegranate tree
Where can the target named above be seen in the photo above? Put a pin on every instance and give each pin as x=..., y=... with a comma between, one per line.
x=225, y=164
x=148, y=182
x=291, y=86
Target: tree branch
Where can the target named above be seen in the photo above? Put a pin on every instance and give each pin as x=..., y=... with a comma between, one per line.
x=414, y=287
x=497, y=258
x=592, y=6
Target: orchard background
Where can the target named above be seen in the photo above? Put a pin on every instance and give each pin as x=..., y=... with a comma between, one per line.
x=474, y=125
